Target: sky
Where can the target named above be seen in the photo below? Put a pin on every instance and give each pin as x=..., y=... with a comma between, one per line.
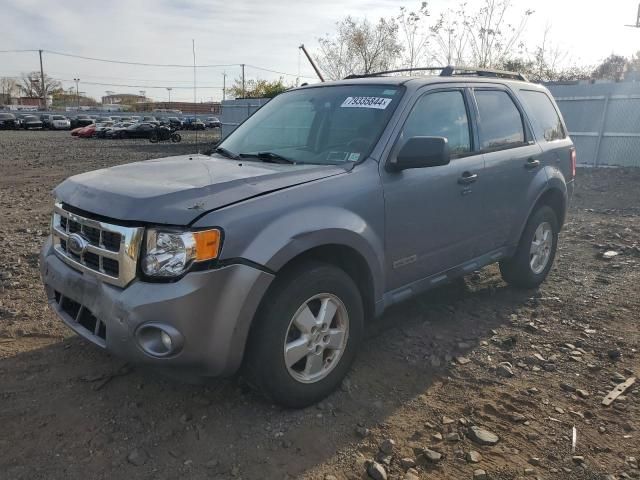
x=258, y=33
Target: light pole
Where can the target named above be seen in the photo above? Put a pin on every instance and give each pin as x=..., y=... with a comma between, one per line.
x=169, y=90
x=77, y=80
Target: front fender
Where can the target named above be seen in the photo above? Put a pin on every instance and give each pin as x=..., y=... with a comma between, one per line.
x=297, y=232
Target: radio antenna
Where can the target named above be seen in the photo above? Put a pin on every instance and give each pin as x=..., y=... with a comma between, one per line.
x=195, y=106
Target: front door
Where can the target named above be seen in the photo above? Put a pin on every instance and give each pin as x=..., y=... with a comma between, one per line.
x=433, y=216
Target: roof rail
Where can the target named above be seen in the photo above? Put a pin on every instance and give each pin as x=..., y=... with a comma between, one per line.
x=449, y=71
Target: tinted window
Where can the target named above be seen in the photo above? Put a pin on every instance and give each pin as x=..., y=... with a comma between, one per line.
x=545, y=118
x=440, y=114
x=500, y=120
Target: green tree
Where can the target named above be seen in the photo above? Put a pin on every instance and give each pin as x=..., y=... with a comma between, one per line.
x=257, y=88
x=612, y=68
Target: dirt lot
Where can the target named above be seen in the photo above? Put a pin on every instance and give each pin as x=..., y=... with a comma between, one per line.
x=430, y=370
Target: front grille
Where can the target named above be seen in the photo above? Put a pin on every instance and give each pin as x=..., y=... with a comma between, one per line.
x=109, y=251
x=81, y=316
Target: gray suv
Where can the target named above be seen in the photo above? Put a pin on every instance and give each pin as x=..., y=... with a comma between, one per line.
x=332, y=202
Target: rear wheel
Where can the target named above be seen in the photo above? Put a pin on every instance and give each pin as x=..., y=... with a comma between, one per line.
x=306, y=335
x=536, y=251
x=176, y=137
x=153, y=137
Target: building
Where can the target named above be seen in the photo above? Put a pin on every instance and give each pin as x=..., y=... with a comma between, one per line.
x=124, y=99
x=211, y=108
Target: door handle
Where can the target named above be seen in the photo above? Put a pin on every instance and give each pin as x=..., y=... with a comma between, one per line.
x=467, y=178
x=532, y=163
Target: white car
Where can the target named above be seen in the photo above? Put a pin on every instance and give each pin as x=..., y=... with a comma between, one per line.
x=60, y=122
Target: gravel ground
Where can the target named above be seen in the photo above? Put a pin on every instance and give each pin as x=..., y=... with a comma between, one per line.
x=527, y=366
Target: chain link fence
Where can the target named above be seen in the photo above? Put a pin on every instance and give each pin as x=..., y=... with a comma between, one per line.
x=603, y=120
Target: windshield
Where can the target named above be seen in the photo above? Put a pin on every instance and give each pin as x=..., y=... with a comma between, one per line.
x=324, y=125
x=58, y=117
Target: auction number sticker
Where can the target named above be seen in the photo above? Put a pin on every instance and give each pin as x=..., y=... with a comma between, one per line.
x=366, y=102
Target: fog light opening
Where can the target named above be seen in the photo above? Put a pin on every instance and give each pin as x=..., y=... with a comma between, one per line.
x=159, y=340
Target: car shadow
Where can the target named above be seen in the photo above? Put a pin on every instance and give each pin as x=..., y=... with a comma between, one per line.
x=83, y=414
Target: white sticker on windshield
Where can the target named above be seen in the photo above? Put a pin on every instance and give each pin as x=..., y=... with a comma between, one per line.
x=366, y=102
x=353, y=157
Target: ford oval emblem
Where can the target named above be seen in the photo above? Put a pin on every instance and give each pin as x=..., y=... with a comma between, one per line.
x=77, y=244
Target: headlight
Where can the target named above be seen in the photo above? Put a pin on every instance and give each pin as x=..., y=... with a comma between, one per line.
x=169, y=254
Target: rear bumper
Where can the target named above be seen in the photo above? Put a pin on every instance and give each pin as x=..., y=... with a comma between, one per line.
x=212, y=310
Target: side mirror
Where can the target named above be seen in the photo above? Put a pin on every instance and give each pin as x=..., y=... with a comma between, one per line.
x=421, y=152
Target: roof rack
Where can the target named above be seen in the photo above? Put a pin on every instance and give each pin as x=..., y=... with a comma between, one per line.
x=450, y=71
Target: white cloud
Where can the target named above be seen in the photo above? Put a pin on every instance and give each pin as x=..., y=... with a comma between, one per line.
x=253, y=32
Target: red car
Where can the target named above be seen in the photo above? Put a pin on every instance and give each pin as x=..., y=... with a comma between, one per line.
x=74, y=132
x=86, y=132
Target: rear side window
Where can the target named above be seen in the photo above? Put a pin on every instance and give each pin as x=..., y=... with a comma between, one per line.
x=441, y=114
x=546, y=121
x=500, y=120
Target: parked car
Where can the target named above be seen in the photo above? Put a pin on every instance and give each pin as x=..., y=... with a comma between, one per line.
x=117, y=131
x=8, y=121
x=327, y=206
x=150, y=119
x=102, y=129
x=81, y=121
x=30, y=122
x=138, y=130
x=174, y=122
x=87, y=132
x=59, y=122
x=194, y=124
x=46, y=120
x=213, y=122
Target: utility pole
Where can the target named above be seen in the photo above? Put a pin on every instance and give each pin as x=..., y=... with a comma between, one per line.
x=311, y=62
x=169, y=90
x=637, y=25
x=77, y=80
x=44, y=89
x=224, y=85
x=244, y=93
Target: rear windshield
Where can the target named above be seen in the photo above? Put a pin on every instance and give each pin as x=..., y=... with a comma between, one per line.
x=6, y=116
x=323, y=125
x=58, y=117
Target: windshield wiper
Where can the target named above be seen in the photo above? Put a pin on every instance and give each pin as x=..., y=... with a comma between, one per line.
x=270, y=157
x=227, y=153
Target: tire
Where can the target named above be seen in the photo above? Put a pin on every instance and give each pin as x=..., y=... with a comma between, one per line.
x=176, y=137
x=153, y=138
x=523, y=270
x=304, y=289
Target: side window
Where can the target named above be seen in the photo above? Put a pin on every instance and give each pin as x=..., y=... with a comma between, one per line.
x=440, y=114
x=500, y=120
x=545, y=119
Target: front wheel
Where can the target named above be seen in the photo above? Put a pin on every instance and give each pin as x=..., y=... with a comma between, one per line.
x=306, y=335
x=536, y=251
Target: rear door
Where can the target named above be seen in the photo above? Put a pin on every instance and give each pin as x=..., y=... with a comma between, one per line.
x=433, y=216
x=512, y=159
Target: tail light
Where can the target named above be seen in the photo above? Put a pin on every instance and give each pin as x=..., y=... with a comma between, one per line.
x=573, y=162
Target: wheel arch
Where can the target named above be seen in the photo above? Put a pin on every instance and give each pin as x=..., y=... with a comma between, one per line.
x=348, y=259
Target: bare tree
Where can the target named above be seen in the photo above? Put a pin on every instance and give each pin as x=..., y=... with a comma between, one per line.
x=8, y=88
x=491, y=37
x=359, y=47
x=415, y=35
x=612, y=68
x=450, y=37
x=31, y=85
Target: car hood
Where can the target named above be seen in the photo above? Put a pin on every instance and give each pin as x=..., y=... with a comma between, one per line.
x=177, y=190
